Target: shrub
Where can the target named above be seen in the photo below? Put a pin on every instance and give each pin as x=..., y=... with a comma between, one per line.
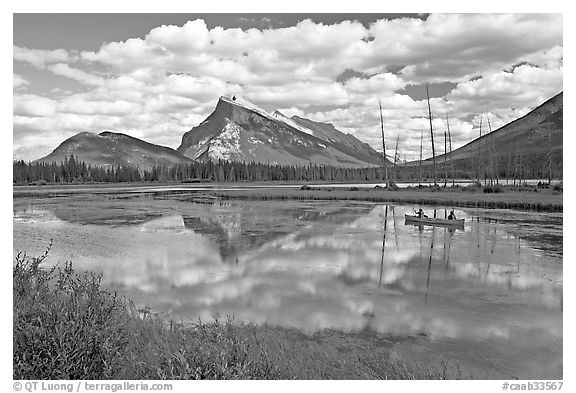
x=473, y=187
x=557, y=187
x=496, y=188
x=392, y=186
x=65, y=326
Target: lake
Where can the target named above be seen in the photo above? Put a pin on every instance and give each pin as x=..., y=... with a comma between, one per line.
x=488, y=296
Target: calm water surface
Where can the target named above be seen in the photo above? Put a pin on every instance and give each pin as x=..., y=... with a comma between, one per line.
x=488, y=296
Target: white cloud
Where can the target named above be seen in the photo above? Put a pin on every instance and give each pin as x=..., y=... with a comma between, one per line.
x=33, y=106
x=86, y=107
x=18, y=81
x=201, y=89
x=379, y=84
x=525, y=86
x=454, y=47
x=192, y=37
x=76, y=74
x=299, y=93
x=39, y=57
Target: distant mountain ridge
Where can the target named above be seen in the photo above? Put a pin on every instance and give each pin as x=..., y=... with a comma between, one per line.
x=238, y=130
x=527, y=136
x=110, y=149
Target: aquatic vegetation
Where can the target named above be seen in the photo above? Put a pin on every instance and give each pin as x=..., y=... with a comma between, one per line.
x=469, y=196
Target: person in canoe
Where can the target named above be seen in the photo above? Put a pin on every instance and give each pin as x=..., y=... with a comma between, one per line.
x=452, y=216
x=420, y=214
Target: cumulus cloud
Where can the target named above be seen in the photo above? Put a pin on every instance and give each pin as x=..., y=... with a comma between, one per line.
x=30, y=105
x=524, y=86
x=379, y=85
x=18, y=81
x=40, y=57
x=76, y=74
x=159, y=86
x=300, y=93
x=459, y=46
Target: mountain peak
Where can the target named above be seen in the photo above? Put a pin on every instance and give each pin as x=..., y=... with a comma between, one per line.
x=111, y=148
x=107, y=132
x=239, y=130
x=116, y=135
x=244, y=103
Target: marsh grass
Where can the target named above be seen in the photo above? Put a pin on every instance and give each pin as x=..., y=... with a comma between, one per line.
x=506, y=197
x=66, y=326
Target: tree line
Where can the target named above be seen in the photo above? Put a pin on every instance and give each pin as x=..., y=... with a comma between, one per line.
x=72, y=170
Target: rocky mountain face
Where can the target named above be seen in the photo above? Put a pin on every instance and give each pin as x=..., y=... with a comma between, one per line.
x=526, y=136
x=240, y=131
x=110, y=149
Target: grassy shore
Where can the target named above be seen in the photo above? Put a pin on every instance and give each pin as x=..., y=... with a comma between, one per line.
x=530, y=198
x=507, y=197
x=66, y=326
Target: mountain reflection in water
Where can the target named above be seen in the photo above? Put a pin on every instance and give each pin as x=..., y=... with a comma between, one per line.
x=311, y=265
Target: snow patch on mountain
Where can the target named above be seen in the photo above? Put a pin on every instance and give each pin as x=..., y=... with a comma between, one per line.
x=244, y=103
x=276, y=116
x=255, y=141
x=284, y=119
x=202, y=141
x=227, y=144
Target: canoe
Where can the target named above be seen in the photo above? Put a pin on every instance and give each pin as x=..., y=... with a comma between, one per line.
x=433, y=221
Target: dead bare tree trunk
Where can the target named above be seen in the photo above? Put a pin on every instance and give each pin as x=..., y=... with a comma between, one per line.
x=431, y=136
x=549, y=157
x=383, y=144
x=516, y=164
x=479, y=169
x=493, y=164
x=450, y=144
x=420, y=161
x=445, y=158
x=396, y=159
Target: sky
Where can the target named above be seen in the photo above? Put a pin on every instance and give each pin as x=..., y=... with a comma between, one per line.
x=156, y=76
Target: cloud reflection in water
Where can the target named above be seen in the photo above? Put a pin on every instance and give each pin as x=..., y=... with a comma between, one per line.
x=313, y=271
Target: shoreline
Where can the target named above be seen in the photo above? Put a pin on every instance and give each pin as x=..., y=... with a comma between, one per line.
x=510, y=197
x=543, y=201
